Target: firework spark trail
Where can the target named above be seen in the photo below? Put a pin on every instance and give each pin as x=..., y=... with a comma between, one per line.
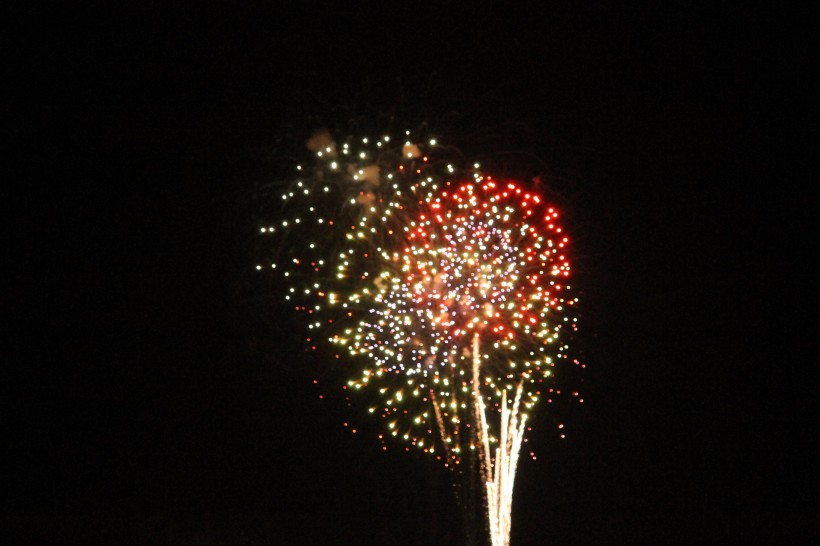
x=451, y=289
x=498, y=471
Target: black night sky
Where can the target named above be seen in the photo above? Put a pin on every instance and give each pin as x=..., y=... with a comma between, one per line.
x=154, y=391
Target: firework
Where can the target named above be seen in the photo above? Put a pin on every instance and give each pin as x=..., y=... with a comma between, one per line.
x=447, y=286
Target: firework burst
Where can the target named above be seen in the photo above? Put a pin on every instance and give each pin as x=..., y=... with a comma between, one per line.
x=447, y=286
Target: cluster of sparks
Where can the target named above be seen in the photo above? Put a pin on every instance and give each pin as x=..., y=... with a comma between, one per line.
x=449, y=287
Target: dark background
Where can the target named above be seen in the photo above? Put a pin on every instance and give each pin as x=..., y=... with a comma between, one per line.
x=152, y=393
